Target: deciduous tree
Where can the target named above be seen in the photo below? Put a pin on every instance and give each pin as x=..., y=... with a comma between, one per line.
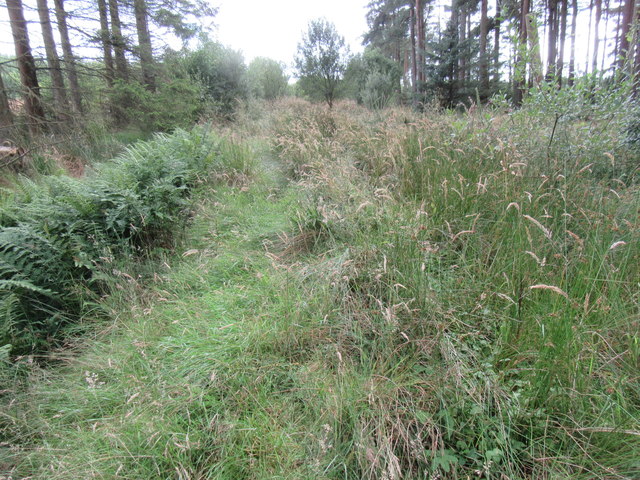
x=322, y=58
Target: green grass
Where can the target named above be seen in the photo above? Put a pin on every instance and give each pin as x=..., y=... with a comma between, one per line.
x=373, y=317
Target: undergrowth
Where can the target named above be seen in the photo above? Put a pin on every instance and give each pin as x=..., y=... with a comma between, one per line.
x=62, y=238
x=430, y=296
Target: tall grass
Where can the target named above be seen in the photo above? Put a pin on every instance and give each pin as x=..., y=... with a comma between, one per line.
x=517, y=264
x=430, y=296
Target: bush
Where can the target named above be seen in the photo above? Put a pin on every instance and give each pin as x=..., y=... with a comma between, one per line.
x=222, y=75
x=266, y=79
x=372, y=79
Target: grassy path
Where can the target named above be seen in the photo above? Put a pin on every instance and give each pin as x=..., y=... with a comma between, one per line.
x=184, y=385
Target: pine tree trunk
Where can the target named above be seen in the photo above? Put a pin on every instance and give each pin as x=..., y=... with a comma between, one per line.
x=144, y=42
x=454, y=71
x=57, y=81
x=118, y=42
x=69, y=59
x=636, y=67
x=484, y=61
x=588, y=57
x=26, y=66
x=605, y=40
x=552, y=34
x=616, y=48
x=105, y=36
x=596, y=36
x=572, y=57
x=414, y=59
x=462, y=28
x=6, y=117
x=496, y=47
x=520, y=65
x=627, y=21
x=421, y=43
x=469, y=37
x=563, y=37
x=534, y=50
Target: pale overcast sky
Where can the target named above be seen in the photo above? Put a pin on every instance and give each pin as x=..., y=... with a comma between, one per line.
x=273, y=28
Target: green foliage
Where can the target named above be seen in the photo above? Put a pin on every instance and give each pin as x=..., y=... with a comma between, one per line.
x=321, y=60
x=266, y=79
x=221, y=73
x=175, y=15
x=589, y=120
x=10, y=77
x=59, y=235
x=175, y=104
x=448, y=303
x=631, y=127
x=372, y=79
x=445, y=54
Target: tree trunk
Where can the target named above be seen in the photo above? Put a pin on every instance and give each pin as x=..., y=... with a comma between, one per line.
x=69, y=59
x=26, y=66
x=605, y=40
x=520, y=64
x=414, y=59
x=118, y=42
x=563, y=37
x=572, y=57
x=144, y=42
x=636, y=67
x=588, y=58
x=616, y=48
x=596, y=36
x=105, y=40
x=552, y=34
x=421, y=43
x=462, y=47
x=453, y=60
x=496, y=47
x=469, y=37
x=57, y=81
x=484, y=61
x=627, y=21
x=6, y=117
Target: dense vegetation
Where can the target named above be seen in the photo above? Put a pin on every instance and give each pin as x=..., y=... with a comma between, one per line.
x=387, y=296
x=61, y=237
x=435, y=275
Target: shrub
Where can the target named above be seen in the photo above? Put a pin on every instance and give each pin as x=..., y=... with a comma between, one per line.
x=222, y=75
x=266, y=79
